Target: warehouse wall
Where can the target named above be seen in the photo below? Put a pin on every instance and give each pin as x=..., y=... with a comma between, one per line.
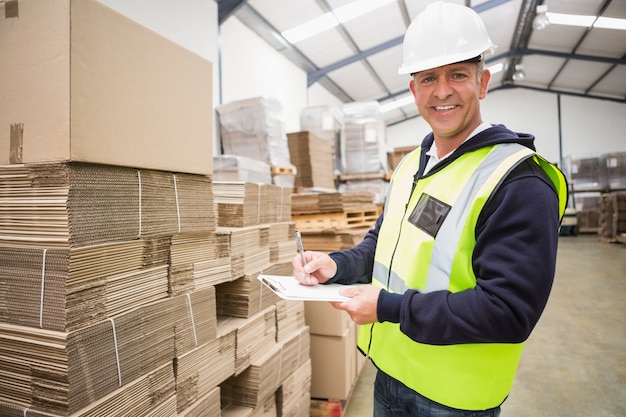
x=251, y=68
x=589, y=127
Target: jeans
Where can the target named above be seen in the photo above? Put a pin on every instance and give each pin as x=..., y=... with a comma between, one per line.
x=393, y=399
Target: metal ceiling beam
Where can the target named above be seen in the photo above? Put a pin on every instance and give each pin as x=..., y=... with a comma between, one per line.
x=259, y=25
x=524, y=52
x=316, y=75
x=603, y=7
x=521, y=35
x=563, y=92
x=226, y=8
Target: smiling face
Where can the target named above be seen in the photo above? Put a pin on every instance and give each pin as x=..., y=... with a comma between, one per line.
x=448, y=99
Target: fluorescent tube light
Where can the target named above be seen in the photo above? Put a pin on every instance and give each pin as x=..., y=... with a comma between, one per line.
x=570, y=19
x=358, y=8
x=404, y=101
x=331, y=19
x=586, y=21
x=610, y=23
x=311, y=28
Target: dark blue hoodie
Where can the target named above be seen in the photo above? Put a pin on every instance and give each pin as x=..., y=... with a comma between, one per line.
x=514, y=260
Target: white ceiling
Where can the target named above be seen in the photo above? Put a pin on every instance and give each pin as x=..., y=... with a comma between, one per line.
x=358, y=61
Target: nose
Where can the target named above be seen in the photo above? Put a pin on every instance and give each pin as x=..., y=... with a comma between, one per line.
x=443, y=89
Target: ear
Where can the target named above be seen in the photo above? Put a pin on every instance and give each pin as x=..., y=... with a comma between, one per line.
x=484, y=83
x=412, y=86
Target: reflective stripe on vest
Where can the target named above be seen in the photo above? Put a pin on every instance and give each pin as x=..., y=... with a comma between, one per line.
x=445, y=245
x=467, y=376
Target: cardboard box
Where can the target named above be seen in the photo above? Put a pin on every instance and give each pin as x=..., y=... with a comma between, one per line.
x=333, y=365
x=324, y=319
x=81, y=82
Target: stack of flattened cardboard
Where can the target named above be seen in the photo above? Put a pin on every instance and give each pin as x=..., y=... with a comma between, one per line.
x=246, y=296
x=77, y=204
x=268, y=371
x=207, y=405
x=363, y=139
x=89, y=241
x=254, y=336
x=196, y=262
x=294, y=396
x=334, y=202
x=241, y=204
x=88, y=316
x=255, y=128
x=325, y=122
x=289, y=318
x=236, y=168
x=332, y=240
x=313, y=158
x=282, y=242
x=333, y=221
x=203, y=368
x=62, y=373
x=249, y=248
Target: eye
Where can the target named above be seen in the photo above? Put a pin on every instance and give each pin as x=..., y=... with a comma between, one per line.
x=458, y=76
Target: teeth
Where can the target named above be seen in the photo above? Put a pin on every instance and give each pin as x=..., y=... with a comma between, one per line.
x=439, y=108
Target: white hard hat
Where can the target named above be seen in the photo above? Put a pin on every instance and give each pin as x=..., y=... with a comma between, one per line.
x=442, y=34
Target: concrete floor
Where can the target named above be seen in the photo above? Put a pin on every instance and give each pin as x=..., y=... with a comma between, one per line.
x=574, y=363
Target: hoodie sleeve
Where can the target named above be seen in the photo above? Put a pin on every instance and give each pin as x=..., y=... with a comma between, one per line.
x=514, y=263
x=355, y=265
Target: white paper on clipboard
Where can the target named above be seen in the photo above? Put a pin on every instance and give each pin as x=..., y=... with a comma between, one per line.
x=289, y=288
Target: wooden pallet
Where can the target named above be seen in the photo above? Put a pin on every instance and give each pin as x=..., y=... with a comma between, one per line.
x=334, y=221
x=276, y=170
x=326, y=408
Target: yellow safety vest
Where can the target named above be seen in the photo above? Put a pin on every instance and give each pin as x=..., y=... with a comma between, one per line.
x=464, y=376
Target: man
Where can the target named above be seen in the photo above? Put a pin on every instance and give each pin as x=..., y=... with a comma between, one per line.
x=462, y=259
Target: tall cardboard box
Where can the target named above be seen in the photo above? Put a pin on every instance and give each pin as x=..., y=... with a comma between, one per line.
x=333, y=365
x=82, y=82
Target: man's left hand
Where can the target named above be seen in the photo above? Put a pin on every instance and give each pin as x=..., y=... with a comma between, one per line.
x=362, y=303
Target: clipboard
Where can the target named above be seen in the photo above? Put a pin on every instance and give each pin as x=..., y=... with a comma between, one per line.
x=288, y=288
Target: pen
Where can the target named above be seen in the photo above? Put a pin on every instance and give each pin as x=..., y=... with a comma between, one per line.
x=301, y=249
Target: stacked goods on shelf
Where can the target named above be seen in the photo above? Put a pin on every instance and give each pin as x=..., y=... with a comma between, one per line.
x=394, y=157
x=613, y=219
x=613, y=216
x=333, y=213
x=110, y=250
x=89, y=316
x=96, y=181
x=363, y=139
x=271, y=339
x=242, y=204
x=363, y=150
x=235, y=168
x=616, y=170
x=588, y=180
x=255, y=128
x=313, y=158
x=325, y=122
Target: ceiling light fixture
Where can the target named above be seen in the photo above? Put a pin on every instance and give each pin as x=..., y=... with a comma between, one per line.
x=331, y=19
x=541, y=20
x=519, y=73
x=404, y=101
x=586, y=21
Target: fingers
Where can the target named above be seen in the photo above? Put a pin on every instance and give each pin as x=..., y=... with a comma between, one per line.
x=318, y=269
x=362, y=305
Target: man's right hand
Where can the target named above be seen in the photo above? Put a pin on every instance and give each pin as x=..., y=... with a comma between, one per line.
x=319, y=268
